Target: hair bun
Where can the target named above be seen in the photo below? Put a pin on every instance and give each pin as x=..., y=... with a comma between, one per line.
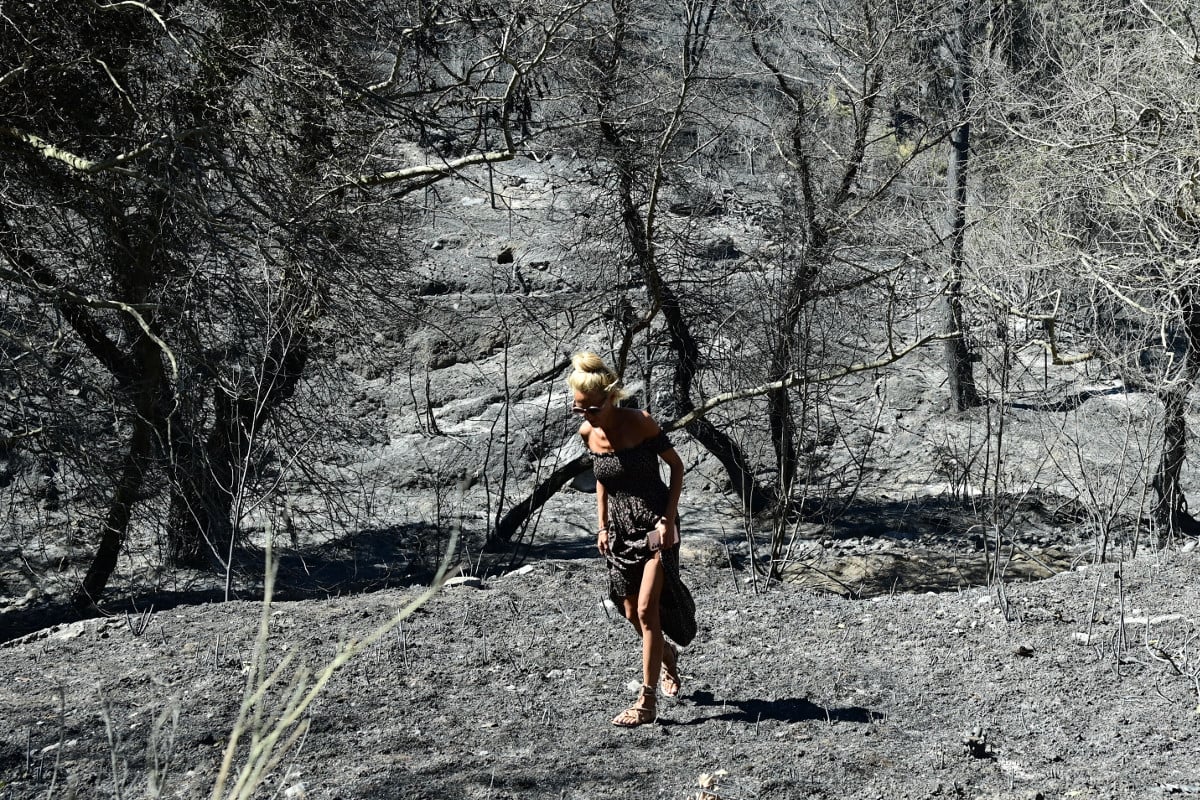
x=591, y=375
x=588, y=362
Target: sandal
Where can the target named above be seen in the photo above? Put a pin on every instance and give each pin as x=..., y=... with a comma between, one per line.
x=671, y=680
x=640, y=713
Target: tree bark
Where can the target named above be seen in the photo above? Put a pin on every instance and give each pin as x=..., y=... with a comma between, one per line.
x=1171, y=511
x=202, y=524
x=200, y=520
x=958, y=358
x=779, y=401
x=120, y=510
x=139, y=457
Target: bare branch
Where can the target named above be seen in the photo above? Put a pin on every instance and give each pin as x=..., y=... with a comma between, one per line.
x=1119, y=294
x=120, y=89
x=61, y=293
x=12, y=75
x=9, y=442
x=797, y=378
x=1190, y=49
x=417, y=177
x=157, y=17
x=1049, y=322
x=115, y=163
x=50, y=151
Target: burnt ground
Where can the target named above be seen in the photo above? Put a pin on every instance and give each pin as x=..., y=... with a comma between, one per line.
x=1086, y=684
x=851, y=680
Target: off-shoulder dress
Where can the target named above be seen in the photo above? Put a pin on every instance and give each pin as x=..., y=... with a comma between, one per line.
x=637, y=497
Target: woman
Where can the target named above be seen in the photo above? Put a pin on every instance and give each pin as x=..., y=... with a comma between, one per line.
x=638, y=530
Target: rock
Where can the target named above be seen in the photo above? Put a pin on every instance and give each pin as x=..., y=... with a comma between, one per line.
x=434, y=288
x=584, y=481
x=977, y=744
x=702, y=550
x=464, y=580
x=720, y=249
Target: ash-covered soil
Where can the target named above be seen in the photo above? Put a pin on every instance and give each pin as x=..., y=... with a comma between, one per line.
x=847, y=681
x=1081, y=685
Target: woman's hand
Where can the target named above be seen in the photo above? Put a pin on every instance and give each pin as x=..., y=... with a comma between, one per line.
x=668, y=534
x=602, y=541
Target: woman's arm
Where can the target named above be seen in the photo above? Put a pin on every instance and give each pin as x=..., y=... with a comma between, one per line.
x=585, y=431
x=669, y=528
x=601, y=518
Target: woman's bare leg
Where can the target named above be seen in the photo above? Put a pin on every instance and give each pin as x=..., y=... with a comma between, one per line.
x=631, y=614
x=650, y=624
x=642, y=611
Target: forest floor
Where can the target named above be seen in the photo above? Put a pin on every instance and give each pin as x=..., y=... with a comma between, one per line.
x=1086, y=684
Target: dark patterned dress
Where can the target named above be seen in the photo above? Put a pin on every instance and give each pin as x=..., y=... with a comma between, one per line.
x=637, y=497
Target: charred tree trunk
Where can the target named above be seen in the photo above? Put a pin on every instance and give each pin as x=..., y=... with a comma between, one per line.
x=1171, y=511
x=202, y=515
x=514, y=520
x=958, y=358
x=139, y=373
x=817, y=224
x=687, y=361
x=779, y=402
x=201, y=525
x=143, y=375
x=138, y=458
x=680, y=339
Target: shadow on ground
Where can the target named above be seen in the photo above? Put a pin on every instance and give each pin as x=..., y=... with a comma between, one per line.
x=365, y=561
x=789, y=710
x=869, y=549
x=944, y=543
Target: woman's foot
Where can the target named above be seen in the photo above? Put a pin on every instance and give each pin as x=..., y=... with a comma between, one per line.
x=644, y=711
x=671, y=681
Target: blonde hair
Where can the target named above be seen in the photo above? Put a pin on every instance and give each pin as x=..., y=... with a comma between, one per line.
x=590, y=375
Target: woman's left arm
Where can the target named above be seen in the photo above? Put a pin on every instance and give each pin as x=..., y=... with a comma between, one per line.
x=670, y=529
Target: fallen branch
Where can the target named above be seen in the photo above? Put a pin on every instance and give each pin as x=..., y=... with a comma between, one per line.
x=1048, y=322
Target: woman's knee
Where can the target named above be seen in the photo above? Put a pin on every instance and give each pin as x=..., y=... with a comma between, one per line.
x=648, y=615
x=630, y=608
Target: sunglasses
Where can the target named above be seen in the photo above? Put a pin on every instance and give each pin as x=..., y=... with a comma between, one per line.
x=585, y=410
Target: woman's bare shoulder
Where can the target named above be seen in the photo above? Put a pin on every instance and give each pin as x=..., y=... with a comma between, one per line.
x=646, y=423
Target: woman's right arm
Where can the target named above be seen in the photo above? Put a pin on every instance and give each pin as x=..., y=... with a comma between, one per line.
x=585, y=431
x=602, y=518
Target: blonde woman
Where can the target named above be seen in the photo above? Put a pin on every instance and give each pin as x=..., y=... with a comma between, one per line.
x=638, y=526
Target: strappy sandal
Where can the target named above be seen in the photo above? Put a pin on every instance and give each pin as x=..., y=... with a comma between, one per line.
x=671, y=681
x=643, y=712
